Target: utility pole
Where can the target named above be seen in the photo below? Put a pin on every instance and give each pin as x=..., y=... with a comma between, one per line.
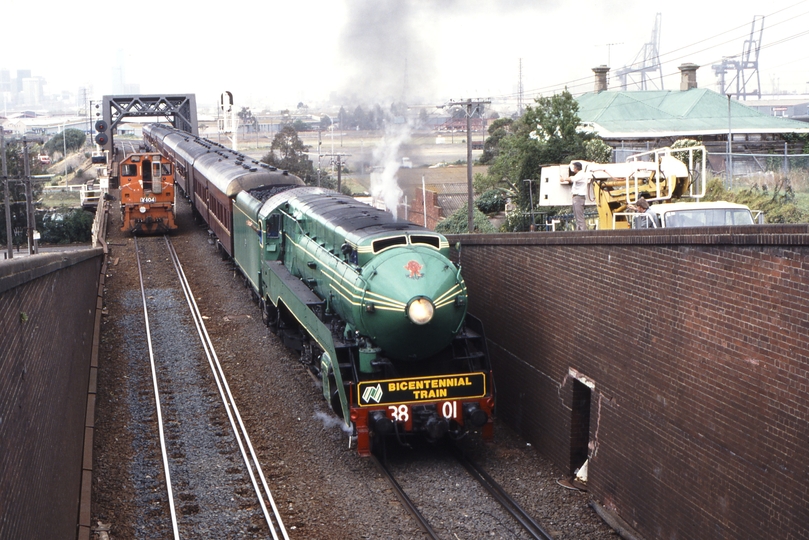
x=519, y=93
x=29, y=207
x=9, y=236
x=319, y=144
x=470, y=107
x=339, y=157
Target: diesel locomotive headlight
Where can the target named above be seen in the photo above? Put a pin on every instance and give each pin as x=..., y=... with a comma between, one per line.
x=142, y=209
x=420, y=310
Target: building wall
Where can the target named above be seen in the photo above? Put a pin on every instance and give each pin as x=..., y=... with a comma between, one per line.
x=47, y=313
x=416, y=210
x=693, y=347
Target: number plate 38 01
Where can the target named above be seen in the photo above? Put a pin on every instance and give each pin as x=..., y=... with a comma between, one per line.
x=401, y=413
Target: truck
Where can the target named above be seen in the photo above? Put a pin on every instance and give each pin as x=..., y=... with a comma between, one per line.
x=661, y=177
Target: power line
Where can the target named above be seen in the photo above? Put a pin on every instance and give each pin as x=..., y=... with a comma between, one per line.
x=581, y=83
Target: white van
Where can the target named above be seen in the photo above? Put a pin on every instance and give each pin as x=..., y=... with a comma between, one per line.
x=693, y=214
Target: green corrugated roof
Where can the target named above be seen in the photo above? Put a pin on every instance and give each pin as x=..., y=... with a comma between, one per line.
x=660, y=113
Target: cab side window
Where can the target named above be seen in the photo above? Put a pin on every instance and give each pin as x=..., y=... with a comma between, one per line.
x=274, y=226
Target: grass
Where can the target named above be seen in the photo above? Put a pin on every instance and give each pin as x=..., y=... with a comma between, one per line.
x=64, y=199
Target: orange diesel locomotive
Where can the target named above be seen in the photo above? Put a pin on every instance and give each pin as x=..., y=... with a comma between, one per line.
x=147, y=194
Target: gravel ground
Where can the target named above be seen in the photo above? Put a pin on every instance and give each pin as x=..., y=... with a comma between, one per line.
x=322, y=488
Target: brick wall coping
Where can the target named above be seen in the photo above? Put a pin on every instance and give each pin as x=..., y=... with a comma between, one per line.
x=15, y=272
x=750, y=235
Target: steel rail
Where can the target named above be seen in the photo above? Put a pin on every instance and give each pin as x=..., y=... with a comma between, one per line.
x=404, y=499
x=508, y=503
x=174, y=525
x=242, y=438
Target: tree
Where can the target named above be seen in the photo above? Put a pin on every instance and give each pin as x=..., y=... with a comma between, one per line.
x=358, y=119
x=342, y=118
x=288, y=152
x=398, y=109
x=74, y=139
x=247, y=119
x=299, y=125
x=65, y=227
x=597, y=151
x=779, y=205
x=499, y=129
x=424, y=118
x=547, y=133
x=19, y=219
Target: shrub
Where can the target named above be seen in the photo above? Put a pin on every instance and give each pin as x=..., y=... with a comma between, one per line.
x=458, y=223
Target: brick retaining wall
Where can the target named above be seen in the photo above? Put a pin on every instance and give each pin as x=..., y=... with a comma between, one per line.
x=693, y=349
x=47, y=314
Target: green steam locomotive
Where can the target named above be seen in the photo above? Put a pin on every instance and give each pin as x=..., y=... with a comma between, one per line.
x=376, y=308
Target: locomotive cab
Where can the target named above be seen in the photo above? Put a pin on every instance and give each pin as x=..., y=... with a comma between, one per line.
x=147, y=194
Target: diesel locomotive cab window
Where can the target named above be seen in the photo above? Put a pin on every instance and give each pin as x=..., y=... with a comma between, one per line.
x=159, y=169
x=429, y=240
x=385, y=243
x=129, y=169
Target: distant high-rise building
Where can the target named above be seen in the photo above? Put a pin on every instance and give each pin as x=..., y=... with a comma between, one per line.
x=5, y=80
x=119, y=73
x=21, y=74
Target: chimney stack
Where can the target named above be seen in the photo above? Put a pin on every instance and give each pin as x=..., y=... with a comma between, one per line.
x=688, y=76
x=601, y=78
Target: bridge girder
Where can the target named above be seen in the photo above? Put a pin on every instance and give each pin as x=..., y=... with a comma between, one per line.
x=179, y=109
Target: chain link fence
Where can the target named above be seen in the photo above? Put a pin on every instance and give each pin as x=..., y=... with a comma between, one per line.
x=747, y=170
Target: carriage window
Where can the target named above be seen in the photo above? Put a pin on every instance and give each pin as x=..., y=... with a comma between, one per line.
x=166, y=168
x=129, y=169
x=385, y=243
x=429, y=240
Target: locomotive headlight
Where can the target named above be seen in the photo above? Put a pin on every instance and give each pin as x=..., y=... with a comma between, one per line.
x=142, y=209
x=420, y=310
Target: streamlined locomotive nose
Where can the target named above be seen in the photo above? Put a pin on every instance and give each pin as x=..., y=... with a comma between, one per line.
x=409, y=302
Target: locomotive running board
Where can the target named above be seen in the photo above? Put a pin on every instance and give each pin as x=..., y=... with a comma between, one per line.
x=307, y=308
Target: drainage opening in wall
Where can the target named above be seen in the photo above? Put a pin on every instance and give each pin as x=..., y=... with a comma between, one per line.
x=579, y=426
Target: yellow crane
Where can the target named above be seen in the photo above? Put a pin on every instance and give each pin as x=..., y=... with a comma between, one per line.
x=661, y=175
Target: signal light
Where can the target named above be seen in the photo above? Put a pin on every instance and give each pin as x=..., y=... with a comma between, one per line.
x=102, y=139
x=101, y=125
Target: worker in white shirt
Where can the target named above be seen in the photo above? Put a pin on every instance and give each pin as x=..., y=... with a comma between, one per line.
x=580, y=181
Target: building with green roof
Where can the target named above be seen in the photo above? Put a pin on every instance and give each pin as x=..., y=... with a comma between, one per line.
x=640, y=120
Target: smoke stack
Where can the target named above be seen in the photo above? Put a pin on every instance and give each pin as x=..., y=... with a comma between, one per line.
x=688, y=76
x=601, y=78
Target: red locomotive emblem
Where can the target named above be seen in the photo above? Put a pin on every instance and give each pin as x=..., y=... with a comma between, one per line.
x=415, y=270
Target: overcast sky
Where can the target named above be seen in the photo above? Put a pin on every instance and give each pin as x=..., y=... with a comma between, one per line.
x=278, y=53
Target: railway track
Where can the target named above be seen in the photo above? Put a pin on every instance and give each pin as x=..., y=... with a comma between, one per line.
x=214, y=483
x=488, y=519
